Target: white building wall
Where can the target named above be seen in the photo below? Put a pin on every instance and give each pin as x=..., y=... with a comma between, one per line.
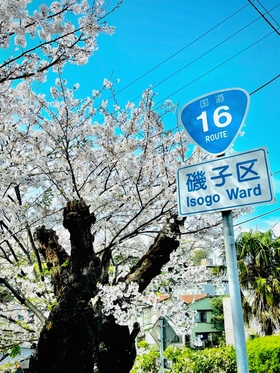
x=229, y=325
x=228, y=321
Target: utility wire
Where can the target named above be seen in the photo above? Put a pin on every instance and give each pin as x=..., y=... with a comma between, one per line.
x=216, y=67
x=257, y=217
x=180, y=50
x=186, y=46
x=268, y=12
x=204, y=54
x=261, y=215
x=265, y=84
x=195, y=40
x=264, y=17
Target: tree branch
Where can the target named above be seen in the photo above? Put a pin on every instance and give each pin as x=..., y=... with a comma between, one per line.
x=18, y=195
x=55, y=257
x=4, y=225
x=23, y=300
x=150, y=265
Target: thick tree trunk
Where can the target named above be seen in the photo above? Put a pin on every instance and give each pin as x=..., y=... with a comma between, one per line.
x=117, y=351
x=69, y=338
x=76, y=337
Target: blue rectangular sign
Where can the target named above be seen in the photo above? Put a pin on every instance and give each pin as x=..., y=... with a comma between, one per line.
x=225, y=183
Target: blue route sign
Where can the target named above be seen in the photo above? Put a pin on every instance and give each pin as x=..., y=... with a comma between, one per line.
x=225, y=183
x=214, y=120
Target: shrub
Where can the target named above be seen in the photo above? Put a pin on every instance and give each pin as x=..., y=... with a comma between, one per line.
x=263, y=357
x=264, y=354
x=146, y=361
x=211, y=360
x=182, y=359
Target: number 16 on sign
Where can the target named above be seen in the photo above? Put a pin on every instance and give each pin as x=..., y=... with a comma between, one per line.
x=214, y=120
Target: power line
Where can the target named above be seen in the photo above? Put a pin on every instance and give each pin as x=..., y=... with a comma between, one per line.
x=180, y=50
x=195, y=40
x=204, y=54
x=264, y=17
x=265, y=84
x=261, y=215
x=216, y=46
x=257, y=217
x=216, y=67
x=268, y=12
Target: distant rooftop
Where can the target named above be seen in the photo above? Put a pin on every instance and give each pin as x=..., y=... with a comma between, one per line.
x=189, y=298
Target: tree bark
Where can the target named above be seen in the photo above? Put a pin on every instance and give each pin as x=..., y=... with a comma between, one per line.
x=56, y=257
x=150, y=265
x=117, y=350
x=68, y=340
x=76, y=337
x=117, y=345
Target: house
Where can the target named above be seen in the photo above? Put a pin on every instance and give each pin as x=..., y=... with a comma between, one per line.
x=202, y=334
x=205, y=329
x=23, y=358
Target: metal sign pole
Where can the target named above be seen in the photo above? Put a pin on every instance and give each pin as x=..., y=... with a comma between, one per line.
x=162, y=344
x=235, y=296
x=213, y=121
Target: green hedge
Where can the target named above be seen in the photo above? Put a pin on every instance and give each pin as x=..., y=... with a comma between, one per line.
x=210, y=360
x=263, y=357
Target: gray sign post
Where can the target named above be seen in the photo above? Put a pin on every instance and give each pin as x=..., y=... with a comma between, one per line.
x=235, y=295
x=213, y=121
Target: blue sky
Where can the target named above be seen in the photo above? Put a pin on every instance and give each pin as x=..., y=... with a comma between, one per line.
x=186, y=49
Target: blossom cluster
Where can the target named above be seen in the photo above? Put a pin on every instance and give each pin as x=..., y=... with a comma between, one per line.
x=49, y=32
x=56, y=147
x=120, y=301
x=123, y=165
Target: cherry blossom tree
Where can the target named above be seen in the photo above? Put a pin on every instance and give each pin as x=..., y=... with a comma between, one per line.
x=89, y=224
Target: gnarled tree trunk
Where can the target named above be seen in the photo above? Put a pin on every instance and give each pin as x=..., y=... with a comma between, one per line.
x=76, y=337
x=70, y=336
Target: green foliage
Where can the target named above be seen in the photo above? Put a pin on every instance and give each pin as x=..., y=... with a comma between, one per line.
x=198, y=255
x=210, y=360
x=146, y=362
x=66, y=263
x=264, y=354
x=218, y=339
x=263, y=357
x=217, y=270
x=182, y=359
x=143, y=344
x=258, y=255
x=218, y=312
x=16, y=350
x=185, y=360
x=52, y=305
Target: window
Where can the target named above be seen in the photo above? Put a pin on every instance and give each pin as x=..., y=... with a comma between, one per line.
x=201, y=316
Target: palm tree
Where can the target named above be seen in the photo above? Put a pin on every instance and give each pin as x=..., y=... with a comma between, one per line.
x=258, y=255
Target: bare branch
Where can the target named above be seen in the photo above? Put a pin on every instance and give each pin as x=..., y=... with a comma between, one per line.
x=23, y=300
x=149, y=266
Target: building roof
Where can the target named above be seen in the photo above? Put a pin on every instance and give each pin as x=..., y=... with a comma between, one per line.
x=162, y=297
x=189, y=298
x=25, y=353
